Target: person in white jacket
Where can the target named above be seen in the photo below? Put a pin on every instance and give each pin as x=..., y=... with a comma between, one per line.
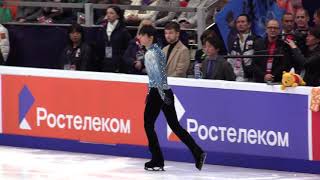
x=4, y=42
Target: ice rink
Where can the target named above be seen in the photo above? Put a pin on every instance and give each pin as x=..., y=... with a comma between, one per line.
x=25, y=164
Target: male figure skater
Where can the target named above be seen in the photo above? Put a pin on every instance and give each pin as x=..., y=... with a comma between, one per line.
x=160, y=96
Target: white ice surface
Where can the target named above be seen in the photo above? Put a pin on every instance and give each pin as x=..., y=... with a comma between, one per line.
x=35, y=164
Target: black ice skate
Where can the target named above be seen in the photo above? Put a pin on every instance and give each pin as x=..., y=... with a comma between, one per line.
x=154, y=166
x=200, y=160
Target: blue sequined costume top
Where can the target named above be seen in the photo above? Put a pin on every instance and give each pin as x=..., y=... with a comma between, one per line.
x=155, y=63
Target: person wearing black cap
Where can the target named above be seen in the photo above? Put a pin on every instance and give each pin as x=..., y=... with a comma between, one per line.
x=311, y=62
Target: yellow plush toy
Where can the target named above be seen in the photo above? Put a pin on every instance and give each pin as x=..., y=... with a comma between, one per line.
x=291, y=79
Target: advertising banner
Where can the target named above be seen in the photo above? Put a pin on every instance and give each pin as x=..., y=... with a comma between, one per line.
x=105, y=112
x=242, y=122
x=270, y=124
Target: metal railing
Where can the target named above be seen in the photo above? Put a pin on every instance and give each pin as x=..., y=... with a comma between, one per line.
x=89, y=9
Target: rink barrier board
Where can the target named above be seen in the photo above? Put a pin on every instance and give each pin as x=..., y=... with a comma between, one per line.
x=30, y=86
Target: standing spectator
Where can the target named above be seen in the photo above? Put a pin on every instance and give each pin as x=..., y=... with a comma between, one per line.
x=215, y=66
x=288, y=33
x=100, y=12
x=116, y=40
x=4, y=44
x=243, y=45
x=78, y=54
x=178, y=55
x=270, y=69
x=311, y=61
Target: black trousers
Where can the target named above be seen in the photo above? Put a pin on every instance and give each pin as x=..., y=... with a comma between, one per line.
x=154, y=104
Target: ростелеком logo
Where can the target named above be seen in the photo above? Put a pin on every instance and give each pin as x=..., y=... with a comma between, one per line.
x=26, y=100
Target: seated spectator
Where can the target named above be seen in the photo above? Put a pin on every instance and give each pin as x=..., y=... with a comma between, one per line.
x=51, y=14
x=311, y=62
x=189, y=19
x=269, y=69
x=60, y=15
x=98, y=13
x=288, y=33
x=116, y=40
x=134, y=17
x=4, y=44
x=215, y=66
x=200, y=54
x=161, y=18
x=28, y=14
x=78, y=54
x=73, y=15
x=134, y=55
x=177, y=54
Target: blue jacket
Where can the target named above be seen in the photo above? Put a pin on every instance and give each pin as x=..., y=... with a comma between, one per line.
x=155, y=62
